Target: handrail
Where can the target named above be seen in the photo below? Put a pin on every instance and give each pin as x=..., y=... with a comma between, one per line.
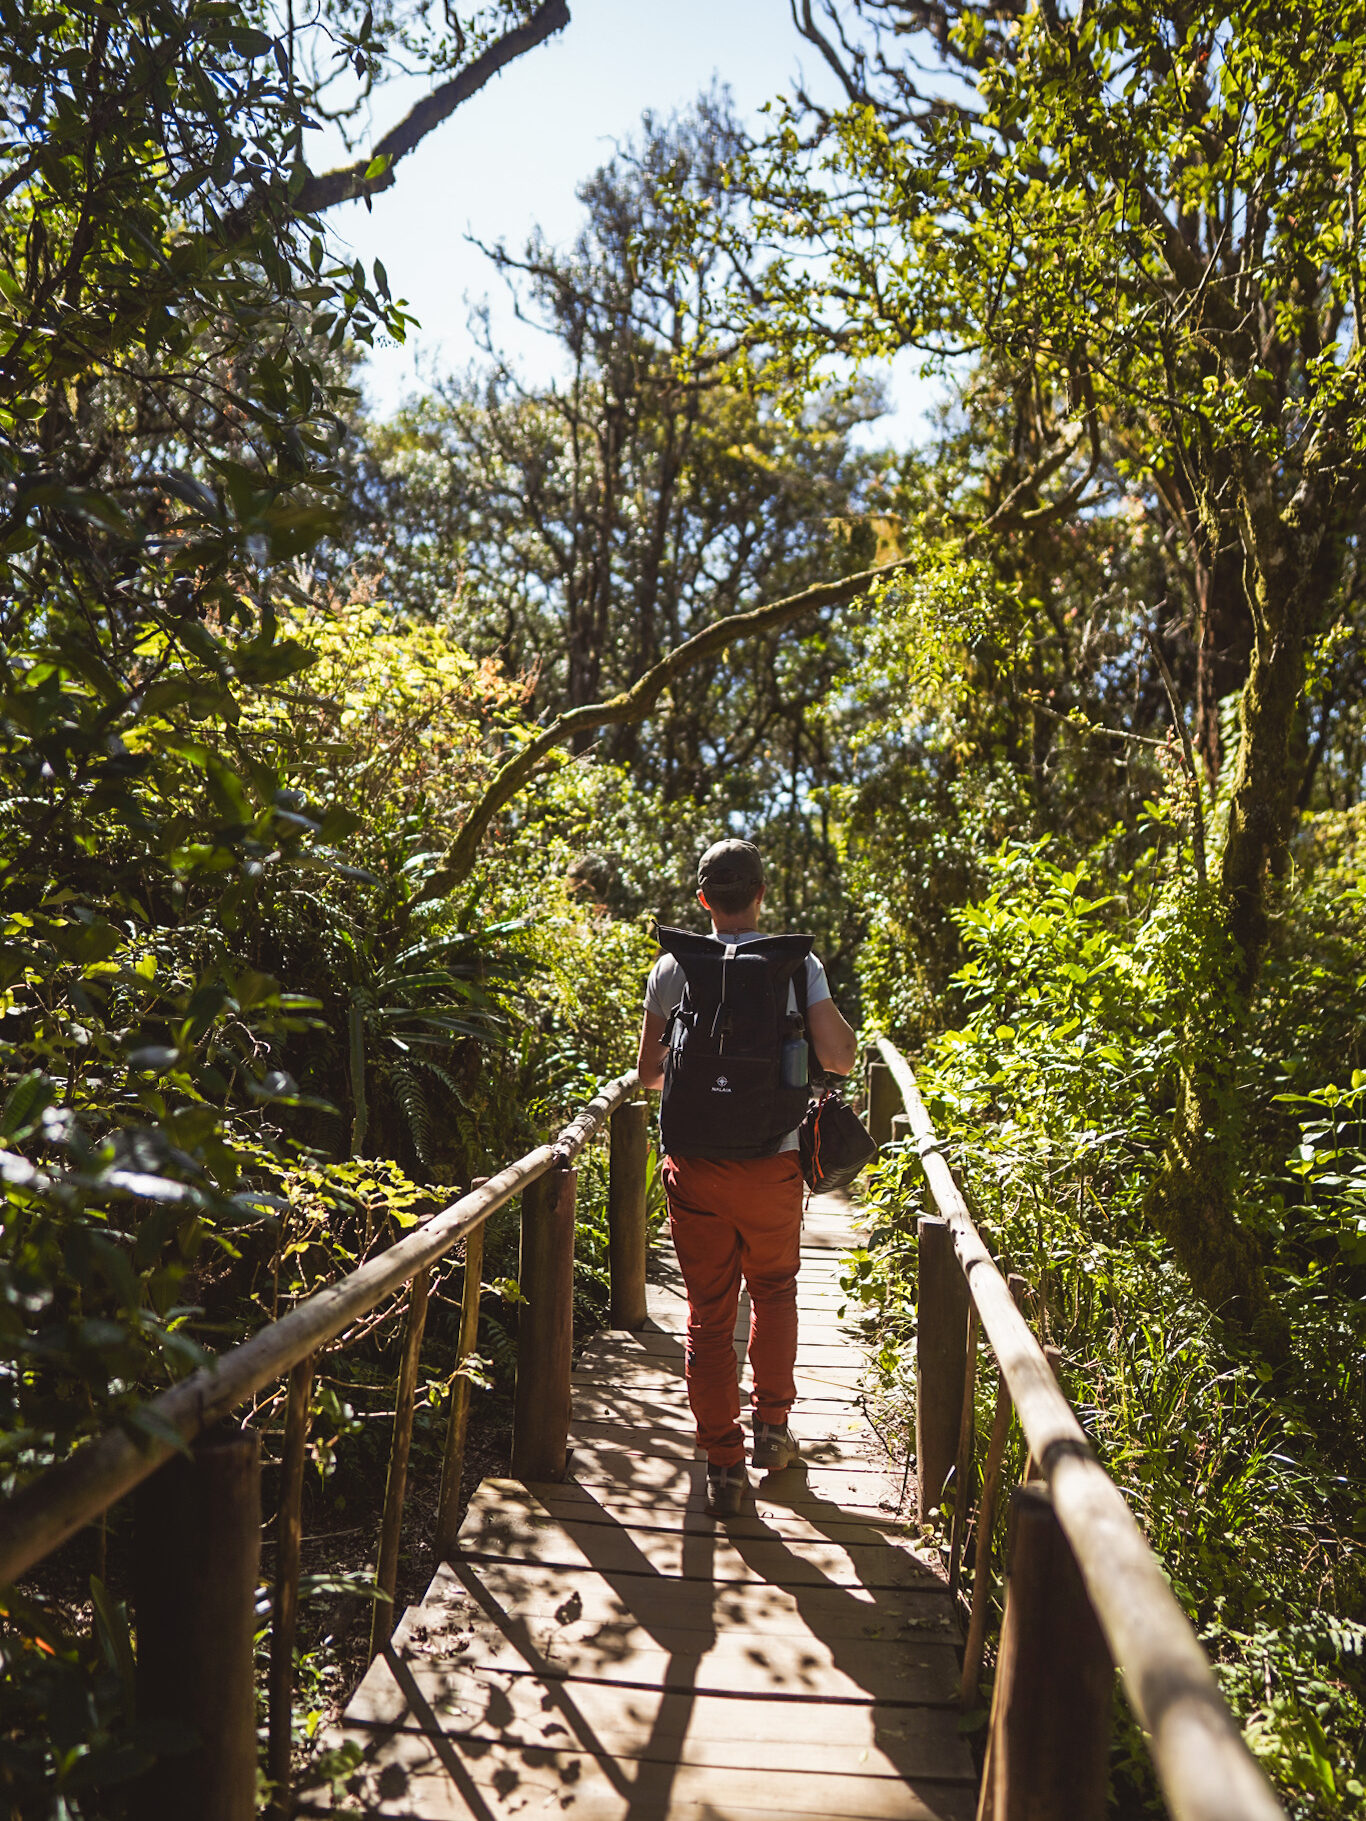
x=73, y=1493
x=1206, y=1771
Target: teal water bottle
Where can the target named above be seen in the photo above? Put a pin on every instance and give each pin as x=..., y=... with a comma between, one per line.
x=794, y=1070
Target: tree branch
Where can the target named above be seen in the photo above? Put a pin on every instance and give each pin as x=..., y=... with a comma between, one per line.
x=806, y=25
x=633, y=704
x=348, y=182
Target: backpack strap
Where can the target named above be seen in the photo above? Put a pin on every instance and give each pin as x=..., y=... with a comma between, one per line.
x=816, y=1075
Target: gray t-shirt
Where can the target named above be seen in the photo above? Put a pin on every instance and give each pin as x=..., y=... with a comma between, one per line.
x=667, y=980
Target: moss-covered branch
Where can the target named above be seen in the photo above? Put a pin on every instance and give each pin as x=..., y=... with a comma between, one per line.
x=633, y=704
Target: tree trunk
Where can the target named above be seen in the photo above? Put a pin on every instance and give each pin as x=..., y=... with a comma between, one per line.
x=1223, y=646
x=1291, y=567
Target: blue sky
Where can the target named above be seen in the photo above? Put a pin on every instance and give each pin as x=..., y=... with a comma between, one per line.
x=511, y=157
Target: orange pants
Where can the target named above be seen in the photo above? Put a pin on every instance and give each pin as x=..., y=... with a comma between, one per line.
x=730, y=1218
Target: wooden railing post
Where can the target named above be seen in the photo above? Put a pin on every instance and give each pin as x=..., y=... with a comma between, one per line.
x=965, y=1455
x=986, y=1519
x=196, y=1556
x=884, y=1101
x=545, y=1328
x=626, y=1219
x=284, y=1622
x=941, y=1347
x=1049, y=1747
x=453, y=1462
x=391, y=1529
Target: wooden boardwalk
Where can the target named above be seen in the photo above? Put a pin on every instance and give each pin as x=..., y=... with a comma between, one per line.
x=603, y=1650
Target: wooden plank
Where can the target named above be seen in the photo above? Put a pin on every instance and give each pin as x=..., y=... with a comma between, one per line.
x=609, y=1503
x=611, y=1345
x=813, y=1330
x=657, y=1342
x=647, y=1379
x=769, y=1517
x=833, y=1381
x=800, y=1522
x=832, y=1419
x=813, y=1278
x=641, y=1372
x=429, y=1779
x=669, y=1302
x=721, y=1731
x=670, y=1309
x=649, y=1342
x=571, y=1545
x=682, y=1481
x=819, y=1405
x=817, y=1450
x=822, y=1383
x=755, y=1609
x=466, y=1633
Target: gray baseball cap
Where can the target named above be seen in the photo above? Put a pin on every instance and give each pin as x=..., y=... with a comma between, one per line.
x=736, y=863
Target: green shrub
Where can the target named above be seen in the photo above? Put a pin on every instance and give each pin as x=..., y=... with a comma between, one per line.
x=1052, y=1092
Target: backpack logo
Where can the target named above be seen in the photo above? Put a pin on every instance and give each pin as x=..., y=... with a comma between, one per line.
x=722, y=1085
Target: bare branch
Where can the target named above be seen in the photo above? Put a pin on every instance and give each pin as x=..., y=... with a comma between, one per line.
x=805, y=23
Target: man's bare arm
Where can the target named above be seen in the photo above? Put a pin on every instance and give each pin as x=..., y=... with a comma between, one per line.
x=650, y=1062
x=832, y=1037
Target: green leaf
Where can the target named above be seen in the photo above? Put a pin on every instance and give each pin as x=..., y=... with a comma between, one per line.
x=338, y=824
x=24, y=1107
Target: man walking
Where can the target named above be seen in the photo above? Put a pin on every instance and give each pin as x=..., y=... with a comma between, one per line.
x=727, y=1020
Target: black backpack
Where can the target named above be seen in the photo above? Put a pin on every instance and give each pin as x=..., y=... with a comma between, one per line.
x=723, y=1090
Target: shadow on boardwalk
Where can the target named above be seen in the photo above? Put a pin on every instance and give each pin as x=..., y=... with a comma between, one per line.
x=602, y=1648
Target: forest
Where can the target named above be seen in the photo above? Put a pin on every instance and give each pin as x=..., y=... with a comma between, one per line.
x=347, y=758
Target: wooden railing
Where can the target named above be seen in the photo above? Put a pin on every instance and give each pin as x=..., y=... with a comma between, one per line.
x=198, y=1477
x=1084, y=1592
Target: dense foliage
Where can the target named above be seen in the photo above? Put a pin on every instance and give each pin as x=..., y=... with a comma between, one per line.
x=1052, y=1089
